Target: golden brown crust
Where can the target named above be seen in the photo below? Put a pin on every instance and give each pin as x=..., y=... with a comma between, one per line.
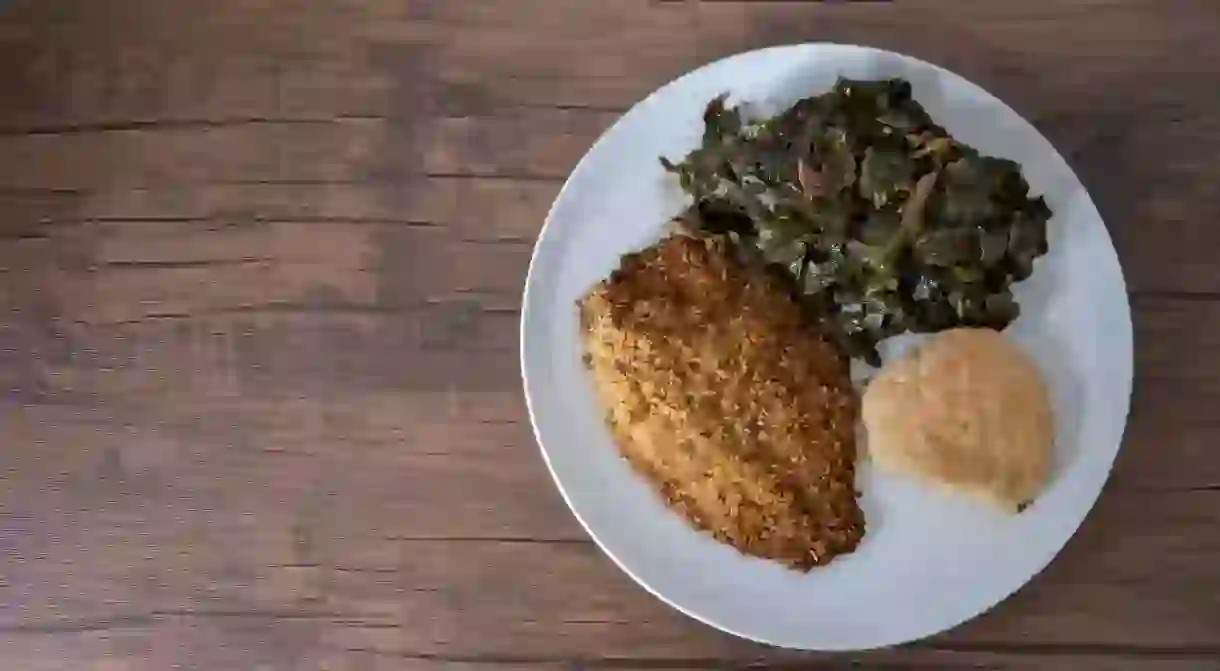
x=967, y=411
x=719, y=393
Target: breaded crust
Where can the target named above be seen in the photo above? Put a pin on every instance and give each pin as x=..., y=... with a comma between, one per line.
x=726, y=400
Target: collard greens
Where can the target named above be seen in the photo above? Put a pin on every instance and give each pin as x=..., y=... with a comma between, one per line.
x=882, y=221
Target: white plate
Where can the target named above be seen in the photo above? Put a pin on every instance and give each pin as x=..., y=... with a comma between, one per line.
x=928, y=561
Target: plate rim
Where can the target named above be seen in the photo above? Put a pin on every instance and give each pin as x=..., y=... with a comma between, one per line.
x=530, y=288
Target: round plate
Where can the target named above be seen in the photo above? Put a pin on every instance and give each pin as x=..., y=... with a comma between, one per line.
x=929, y=561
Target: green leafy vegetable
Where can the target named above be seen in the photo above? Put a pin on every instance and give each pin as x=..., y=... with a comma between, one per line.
x=884, y=223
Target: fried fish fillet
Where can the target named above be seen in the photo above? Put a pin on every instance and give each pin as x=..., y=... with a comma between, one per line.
x=720, y=394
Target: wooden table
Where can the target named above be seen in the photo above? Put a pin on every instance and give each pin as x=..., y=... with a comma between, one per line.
x=260, y=271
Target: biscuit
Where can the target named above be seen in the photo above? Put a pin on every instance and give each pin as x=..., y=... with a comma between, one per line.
x=967, y=411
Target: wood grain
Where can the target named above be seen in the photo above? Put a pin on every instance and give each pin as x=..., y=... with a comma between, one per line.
x=260, y=270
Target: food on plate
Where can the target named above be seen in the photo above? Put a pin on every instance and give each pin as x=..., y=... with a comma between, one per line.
x=883, y=222
x=721, y=355
x=719, y=393
x=967, y=411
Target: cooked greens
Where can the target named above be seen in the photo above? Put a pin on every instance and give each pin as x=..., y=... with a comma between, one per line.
x=884, y=223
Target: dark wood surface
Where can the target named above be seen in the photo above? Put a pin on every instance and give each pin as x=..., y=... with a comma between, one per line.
x=260, y=266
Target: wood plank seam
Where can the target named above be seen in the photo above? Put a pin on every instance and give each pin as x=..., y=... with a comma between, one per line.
x=171, y=124
x=644, y=664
